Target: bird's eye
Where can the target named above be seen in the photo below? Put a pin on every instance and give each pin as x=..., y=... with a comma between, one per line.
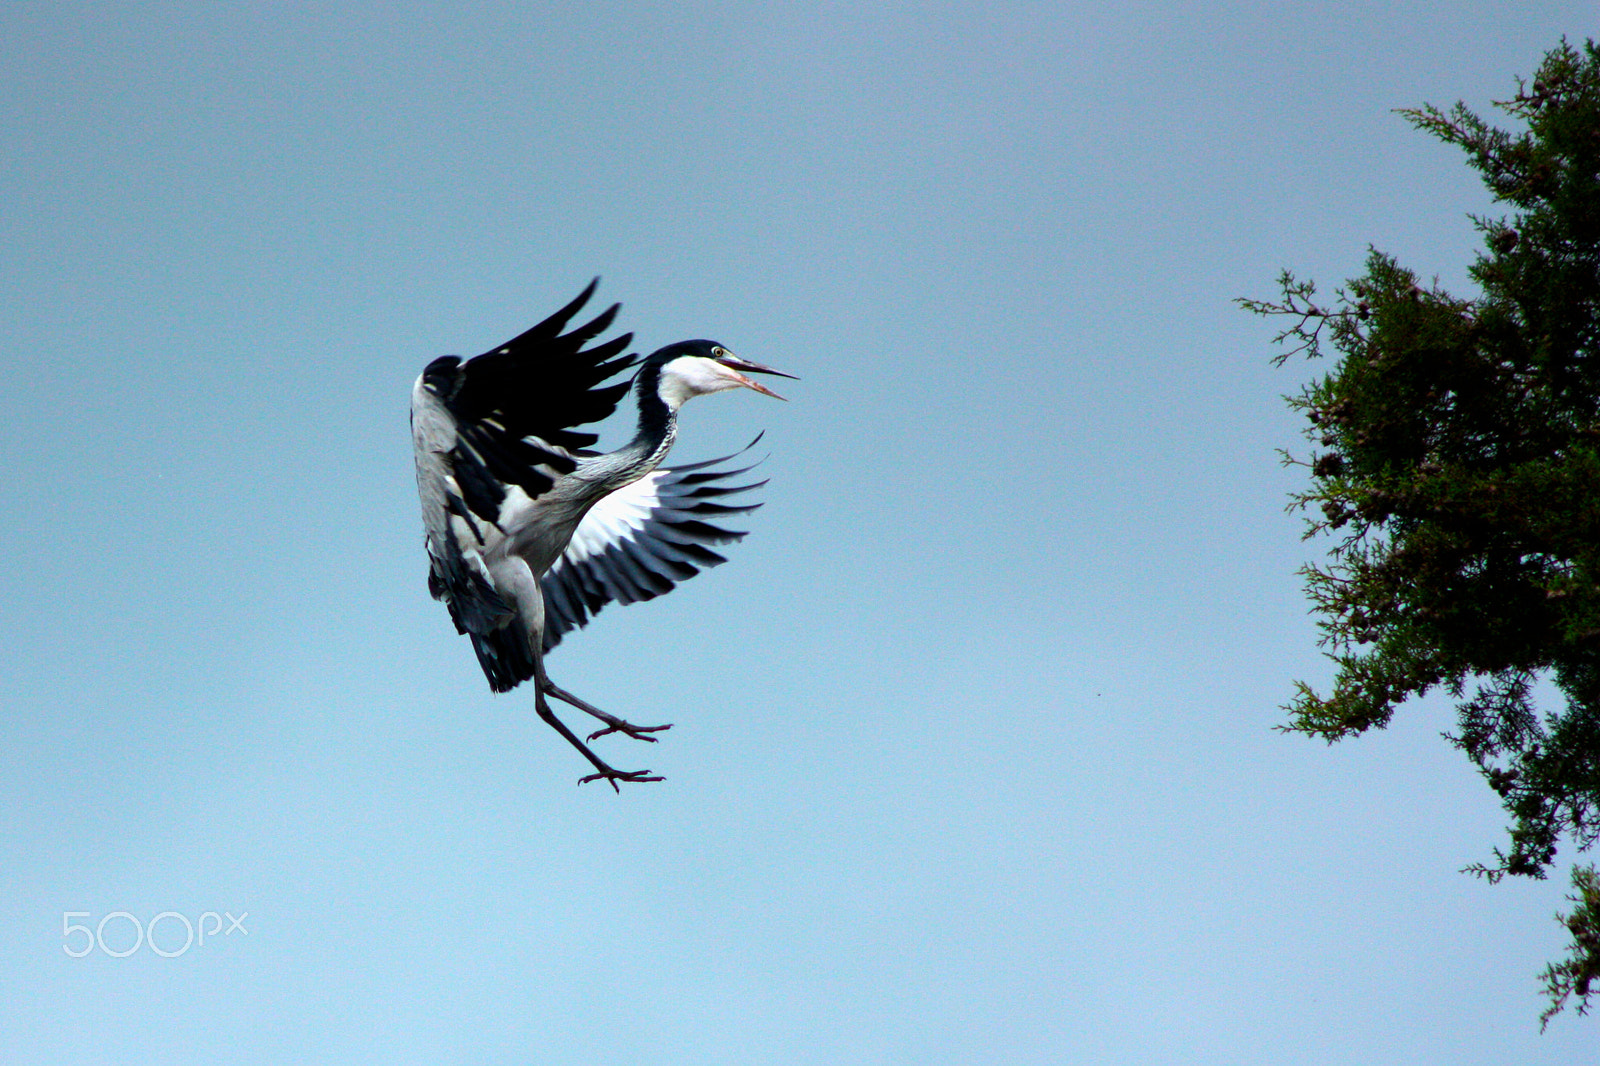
x=718, y=351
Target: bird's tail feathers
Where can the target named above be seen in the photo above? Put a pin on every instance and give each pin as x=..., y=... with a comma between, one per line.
x=505, y=655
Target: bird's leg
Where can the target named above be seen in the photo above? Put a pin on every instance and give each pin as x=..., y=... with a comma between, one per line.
x=606, y=773
x=613, y=723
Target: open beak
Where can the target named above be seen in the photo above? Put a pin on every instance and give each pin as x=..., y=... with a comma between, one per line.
x=736, y=364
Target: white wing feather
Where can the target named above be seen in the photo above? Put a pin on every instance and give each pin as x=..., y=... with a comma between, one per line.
x=641, y=540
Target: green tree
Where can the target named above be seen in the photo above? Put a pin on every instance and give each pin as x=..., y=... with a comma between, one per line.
x=1459, y=480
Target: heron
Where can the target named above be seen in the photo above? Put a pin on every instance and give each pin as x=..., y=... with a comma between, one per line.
x=528, y=532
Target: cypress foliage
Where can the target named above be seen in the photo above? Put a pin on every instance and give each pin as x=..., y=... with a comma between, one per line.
x=1456, y=471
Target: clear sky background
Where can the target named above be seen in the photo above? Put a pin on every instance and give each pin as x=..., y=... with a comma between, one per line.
x=973, y=757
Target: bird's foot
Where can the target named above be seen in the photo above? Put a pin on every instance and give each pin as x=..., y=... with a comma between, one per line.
x=613, y=776
x=637, y=732
x=613, y=723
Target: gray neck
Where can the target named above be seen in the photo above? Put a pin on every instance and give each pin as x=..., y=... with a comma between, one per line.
x=658, y=426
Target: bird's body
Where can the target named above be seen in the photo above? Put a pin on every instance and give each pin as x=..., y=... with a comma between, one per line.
x=528, y=534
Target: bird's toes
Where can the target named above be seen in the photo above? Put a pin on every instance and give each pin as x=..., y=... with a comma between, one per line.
x=620, y=775
x=637, y=732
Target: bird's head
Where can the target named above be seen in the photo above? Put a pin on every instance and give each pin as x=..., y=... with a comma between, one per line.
x=695, y=368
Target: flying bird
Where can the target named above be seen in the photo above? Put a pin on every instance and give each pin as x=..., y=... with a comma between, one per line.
x=528, y=533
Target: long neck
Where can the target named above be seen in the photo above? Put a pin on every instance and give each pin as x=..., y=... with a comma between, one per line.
x=658, y=425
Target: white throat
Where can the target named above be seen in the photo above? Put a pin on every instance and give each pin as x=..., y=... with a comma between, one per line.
x=689, y=376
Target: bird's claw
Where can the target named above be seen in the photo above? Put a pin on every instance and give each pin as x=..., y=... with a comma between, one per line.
x=637, y=732
x=613, y=776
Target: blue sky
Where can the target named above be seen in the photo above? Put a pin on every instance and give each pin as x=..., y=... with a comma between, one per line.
x=973, y=755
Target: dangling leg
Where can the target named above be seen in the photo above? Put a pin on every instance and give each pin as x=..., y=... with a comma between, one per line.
x=613, y=723
x=541, y=686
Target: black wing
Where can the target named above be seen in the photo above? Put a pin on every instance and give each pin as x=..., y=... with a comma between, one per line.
x=516, y=408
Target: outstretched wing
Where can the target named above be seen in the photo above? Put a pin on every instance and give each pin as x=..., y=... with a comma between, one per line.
x=498, y=429
x=515, y=409
x=641, y=540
